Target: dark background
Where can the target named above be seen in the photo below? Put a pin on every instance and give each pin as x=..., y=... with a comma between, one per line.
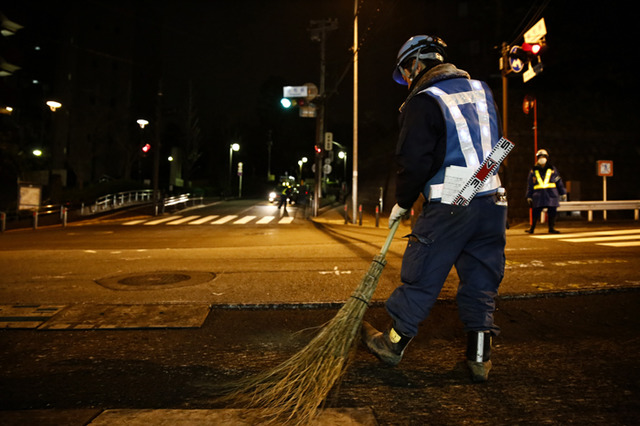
x=220, y=67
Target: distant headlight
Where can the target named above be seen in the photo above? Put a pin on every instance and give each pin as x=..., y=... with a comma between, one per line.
x=272, y=196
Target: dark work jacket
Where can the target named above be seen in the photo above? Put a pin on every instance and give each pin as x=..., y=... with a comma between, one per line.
x=422, y=141
x=548, y=194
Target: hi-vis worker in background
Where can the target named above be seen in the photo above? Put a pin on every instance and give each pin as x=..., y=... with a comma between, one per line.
x=545, y=189
x=448, y=124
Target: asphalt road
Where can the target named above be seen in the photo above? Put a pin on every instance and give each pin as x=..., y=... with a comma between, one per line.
x=568, y=311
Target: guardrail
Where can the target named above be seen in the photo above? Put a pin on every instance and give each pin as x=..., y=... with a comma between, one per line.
x=102, y=204
x=120, y=199
x=42, y=211
x=180, y=199
x=591, y=206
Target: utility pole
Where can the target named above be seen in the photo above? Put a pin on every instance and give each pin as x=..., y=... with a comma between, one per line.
x=354, y=156
x=156, y=153
x=318, y=30
x=269, y=145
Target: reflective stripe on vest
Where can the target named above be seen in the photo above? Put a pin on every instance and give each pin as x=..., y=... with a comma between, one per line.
x=453, y=101
x=544, y=184
x=471, y=126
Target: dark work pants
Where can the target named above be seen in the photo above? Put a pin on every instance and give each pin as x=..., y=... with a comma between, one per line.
x=535, y=215
x=470, y=238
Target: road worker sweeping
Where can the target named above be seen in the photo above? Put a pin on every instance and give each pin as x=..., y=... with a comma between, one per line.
x=448, y=126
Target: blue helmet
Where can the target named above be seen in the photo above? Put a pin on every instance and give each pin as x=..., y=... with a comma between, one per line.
x=419, y=47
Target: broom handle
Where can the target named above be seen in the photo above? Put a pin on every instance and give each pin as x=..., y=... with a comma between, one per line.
x=392, y=231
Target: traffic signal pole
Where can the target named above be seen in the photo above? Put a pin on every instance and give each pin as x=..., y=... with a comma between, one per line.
x=319, y=31
x=156, y=153
x=320, y=125
x=505, y=71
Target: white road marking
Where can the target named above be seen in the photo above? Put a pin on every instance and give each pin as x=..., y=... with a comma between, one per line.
x=162, y=220
x=204, y=219
x=600, y=239
x=612, y=238
x=244, y=220
x=624, y=244
x=135, y=222
x=183, y=220
x=266, y=220
x=224, y=220
x=588, y=234
x=213, y=220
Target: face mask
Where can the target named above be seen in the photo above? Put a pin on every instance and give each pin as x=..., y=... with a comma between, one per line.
x=542, y=161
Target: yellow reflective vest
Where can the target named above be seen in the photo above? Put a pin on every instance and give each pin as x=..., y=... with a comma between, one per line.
x=544, y=183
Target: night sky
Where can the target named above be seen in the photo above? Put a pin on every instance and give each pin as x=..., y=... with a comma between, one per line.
x=238, y=55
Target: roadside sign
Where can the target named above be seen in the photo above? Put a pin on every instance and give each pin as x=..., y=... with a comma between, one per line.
x=312, y=91
x=516, y=63
x=29, y=196
x=605, y=168
x=528, y=103
x=328, y=141
x=308, y=111
x=295, y=91
x=536, y=32
x=528, y=74
x=531, y=72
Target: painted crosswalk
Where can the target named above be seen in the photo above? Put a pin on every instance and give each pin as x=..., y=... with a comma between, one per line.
x=610, y=238
x=212, y=220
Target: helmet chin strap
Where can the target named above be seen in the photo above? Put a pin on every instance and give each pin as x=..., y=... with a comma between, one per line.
x=414, y=66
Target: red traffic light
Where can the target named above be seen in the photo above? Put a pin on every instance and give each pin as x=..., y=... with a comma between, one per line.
x=318, y=149
x=534, y=48
x=146, y=148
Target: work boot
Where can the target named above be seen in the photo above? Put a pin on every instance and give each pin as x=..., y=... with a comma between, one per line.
x=479, y=354
x=388, y=346
x=554, y=231
x=529, y=231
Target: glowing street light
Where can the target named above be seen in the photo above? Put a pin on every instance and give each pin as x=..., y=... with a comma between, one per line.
x=232, y=147
x=142, y=122
x=300, y=163
x=53, y=105
x=343, y=156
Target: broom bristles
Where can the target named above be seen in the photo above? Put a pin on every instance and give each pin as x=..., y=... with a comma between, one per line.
x=294, y=391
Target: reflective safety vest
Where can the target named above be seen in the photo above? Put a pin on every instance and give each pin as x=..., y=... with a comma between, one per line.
x=472, y=129
x=544, y=184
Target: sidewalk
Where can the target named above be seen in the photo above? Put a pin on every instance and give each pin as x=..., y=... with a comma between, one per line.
x=557, y=361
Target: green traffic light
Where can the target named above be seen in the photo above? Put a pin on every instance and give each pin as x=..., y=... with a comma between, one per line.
x=286, y=103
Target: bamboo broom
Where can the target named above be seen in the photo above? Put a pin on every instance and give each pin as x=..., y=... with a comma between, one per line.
x=293, y=392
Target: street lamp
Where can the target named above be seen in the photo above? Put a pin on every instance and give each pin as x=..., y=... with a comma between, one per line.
x=232, y=147
x=53, y=105
x=343, y=156
x=145, y=147
x=300, y=163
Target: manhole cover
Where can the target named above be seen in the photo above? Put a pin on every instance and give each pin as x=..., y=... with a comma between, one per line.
x=156, y=280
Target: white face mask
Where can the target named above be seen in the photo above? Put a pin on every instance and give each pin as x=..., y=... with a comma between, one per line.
x=542, y=161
